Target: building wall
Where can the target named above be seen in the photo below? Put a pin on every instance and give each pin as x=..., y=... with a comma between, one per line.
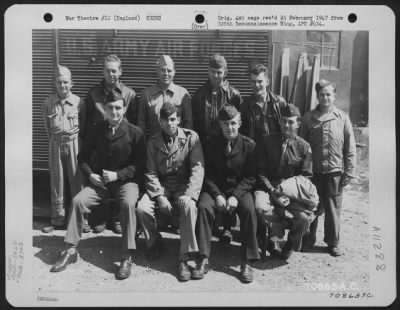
x=351, y=77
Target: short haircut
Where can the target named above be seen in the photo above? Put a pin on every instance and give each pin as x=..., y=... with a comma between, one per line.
x=112, y=58
x=258, y=68
x=168, y=109
x=115, y=96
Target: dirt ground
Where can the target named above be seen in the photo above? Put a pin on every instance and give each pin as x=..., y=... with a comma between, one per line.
x=99, y=259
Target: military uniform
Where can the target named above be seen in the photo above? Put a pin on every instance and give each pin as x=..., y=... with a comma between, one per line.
x=151, y=101
x=228, y=175
x=258, y=121
x=92, y=110
x=122, y=152
x=62, y=126
x=173, y=172
x=278, y=159
x=206, y=106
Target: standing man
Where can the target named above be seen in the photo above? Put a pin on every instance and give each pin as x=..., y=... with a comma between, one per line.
x=60, y=113
x=153, y=98
x=261, y=113
x=230, y=177
x=281, y=156
x=114, y=171
x=173, y=180
x=93, y=111
x=206, y=103
x=330, y=134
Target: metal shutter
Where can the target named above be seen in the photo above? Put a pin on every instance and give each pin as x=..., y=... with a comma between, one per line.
x=82, y=51
x=43, y=60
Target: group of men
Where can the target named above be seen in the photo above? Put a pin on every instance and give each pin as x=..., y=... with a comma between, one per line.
x=194, y=158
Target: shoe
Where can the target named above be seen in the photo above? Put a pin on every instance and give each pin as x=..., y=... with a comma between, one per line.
x=86, y=228
x=184, y=273
x=51, y=228
x=65, y=259
x=156, y=249
x=273, y=248
x=117, y=229
x=226, y=236
x=246, y=273
x=335, y=251
x=287, y=251
x=201, y=268
x=124, y=270
x=99, y=228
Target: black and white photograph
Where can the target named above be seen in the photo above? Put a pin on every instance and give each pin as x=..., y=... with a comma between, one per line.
x=215, y=159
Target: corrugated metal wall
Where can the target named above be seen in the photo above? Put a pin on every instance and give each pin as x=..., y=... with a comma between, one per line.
x=83, y=52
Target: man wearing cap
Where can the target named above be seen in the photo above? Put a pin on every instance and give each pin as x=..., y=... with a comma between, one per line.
x=281, y=156
x=330, y=134
x=228, y=184
x=60, y=113
x=115, y=171
x=93, y=111
x=261, y=113
x=173, y=179
x=206, y=103
x=153, y=98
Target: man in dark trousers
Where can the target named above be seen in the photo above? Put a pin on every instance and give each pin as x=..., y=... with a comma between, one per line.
x=261, y=113
x=281, y=156
x=330, y=134
x=206, y=103
x=93, y=110
x=115, y=171
x=228, y=184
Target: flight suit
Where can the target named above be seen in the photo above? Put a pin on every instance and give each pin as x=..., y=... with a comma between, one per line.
x=173, y=172
x=62, y=127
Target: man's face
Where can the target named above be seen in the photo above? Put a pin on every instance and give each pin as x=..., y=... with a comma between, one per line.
x=114, y=111
x=112, y=72
x=327, y=96
x=63, y=85
x=166, y=74
x=170, y=125
x=259, y=83
x=230, y=128
x=289, y=126
x=216, y=76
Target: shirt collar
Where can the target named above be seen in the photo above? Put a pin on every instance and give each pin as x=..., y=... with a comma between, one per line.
x=330, y=115
x=224, y=85
x=116, y=126
x=118, y=87
x=69, y=99
x=171, y=88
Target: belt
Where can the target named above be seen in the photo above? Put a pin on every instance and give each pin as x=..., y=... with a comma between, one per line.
x=67, y=138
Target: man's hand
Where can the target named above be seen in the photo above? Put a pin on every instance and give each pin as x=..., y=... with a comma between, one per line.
x=231, y=204
x=164, y=205
x=96, y=180
x=220, y=202
x=182, y=200
x=109, y=176
x=344, y=180
x=275, y=198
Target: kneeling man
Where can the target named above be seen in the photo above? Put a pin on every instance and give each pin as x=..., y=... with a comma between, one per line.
x=114, y=171
x=280, y=157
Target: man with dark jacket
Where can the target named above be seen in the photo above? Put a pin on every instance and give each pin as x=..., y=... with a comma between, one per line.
x=261, y=113
x=206, y=103
x=115, y=171
x=228, y=184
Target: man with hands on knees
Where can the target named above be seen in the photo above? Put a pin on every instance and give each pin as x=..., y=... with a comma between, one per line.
x=173, y=179
x=229, y=180
x=116, y=171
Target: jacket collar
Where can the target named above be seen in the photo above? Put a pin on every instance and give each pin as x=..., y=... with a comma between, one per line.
x=316, y=114
x=157, y=89
x=179, y=141
x=224, y=86
x=269, y=98
x=237, y=146
x=120, y=86
x=121, y=130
